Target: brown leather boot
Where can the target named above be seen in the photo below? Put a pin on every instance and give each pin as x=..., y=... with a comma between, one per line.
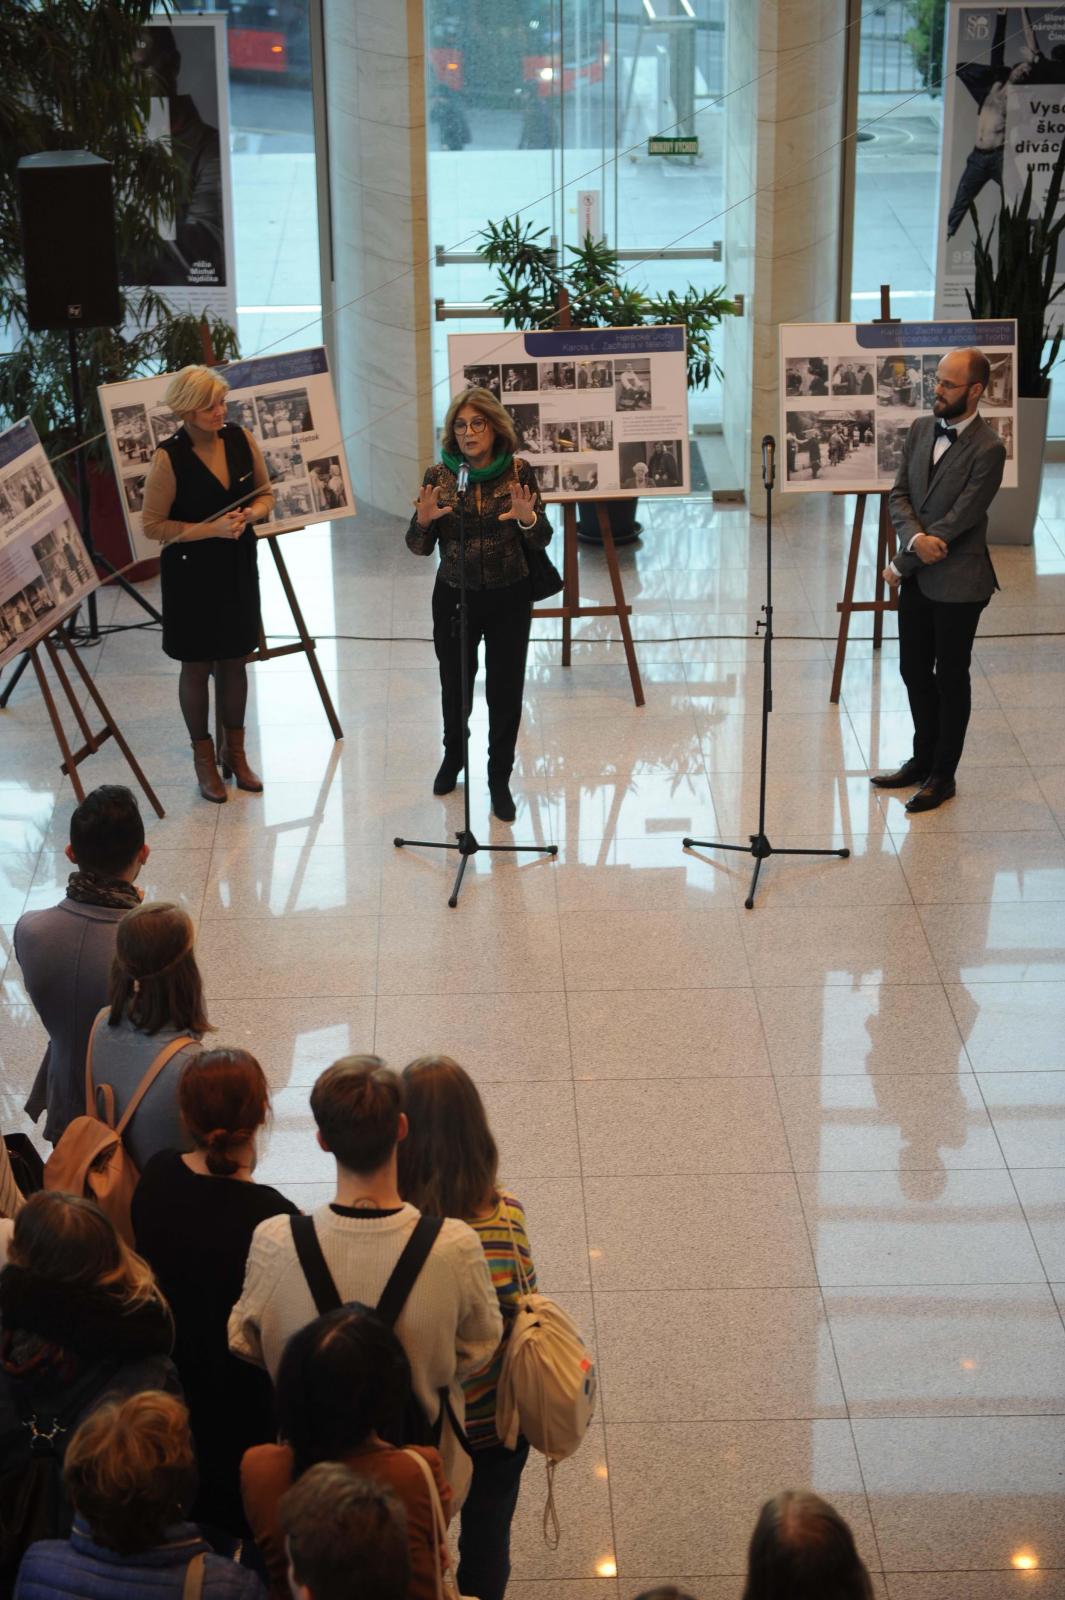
x=211, y=785
x=235, y=763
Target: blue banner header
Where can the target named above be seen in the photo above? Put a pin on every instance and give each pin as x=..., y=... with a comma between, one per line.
x=935, y=335
x=603, y=342
x=16, y=440
x=282, y=368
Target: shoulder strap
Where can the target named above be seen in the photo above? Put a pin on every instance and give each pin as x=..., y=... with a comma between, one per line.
x=166, y=1054
x=194, y=1575
x=440, y=1525
x=406, y=1270
x=90, y=1091
x=315, y=1268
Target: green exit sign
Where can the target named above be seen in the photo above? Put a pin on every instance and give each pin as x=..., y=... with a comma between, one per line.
x=672, y=147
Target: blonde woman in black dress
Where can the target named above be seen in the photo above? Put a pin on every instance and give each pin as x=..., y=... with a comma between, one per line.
x=206, y=487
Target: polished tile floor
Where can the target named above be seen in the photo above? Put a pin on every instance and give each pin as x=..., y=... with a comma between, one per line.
x=799, y=1171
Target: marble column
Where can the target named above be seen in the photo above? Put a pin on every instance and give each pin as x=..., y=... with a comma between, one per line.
x=375, y=84
x=785, y=70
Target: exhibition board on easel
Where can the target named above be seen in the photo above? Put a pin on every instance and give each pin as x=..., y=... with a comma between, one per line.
x=851, y=391
x=45, y=570
x=285, y=401
x=598, y=412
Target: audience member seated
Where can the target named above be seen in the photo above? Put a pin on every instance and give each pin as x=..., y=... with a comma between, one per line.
x=224, y=1102
x=449, y=1324
x=65, y=952
x=82, y=1322
x=346, y=1539
x=130, y=1474
x=156, y=998
x=343, y=1380
x=448, y=1166
x=802, y=1549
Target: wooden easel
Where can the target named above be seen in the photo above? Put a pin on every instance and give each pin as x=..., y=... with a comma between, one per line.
x=303, y=645
x=72, y=759
x=885, y=550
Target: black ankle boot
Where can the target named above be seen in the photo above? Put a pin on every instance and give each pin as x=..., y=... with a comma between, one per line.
x=448, y=775
x=502, y=800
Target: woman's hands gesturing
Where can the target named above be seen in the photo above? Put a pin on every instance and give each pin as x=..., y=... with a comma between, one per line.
x=522, y=508
x=428, y=506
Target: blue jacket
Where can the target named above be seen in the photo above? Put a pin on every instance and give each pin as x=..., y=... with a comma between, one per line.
x=78, y=1569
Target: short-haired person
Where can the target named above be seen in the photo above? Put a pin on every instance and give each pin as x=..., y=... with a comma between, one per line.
x=156, y=998
x=801, y=1549
x=224, y=1103
x=343, y=1381
x=449, y=1324
x=504, y=519
x=345, y=1536
x=949, y=474
x=206, y=487
x=66, y=951
x=130, y=1473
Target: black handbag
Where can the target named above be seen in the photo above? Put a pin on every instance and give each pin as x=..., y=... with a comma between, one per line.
x=544, y=577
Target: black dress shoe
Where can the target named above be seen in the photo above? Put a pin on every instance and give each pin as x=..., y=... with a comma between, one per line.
x=448, y=775
x=502, y=799
x=932, y=794
x=909, y=775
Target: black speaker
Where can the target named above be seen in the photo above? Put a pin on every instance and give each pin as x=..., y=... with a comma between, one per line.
x=68, y=240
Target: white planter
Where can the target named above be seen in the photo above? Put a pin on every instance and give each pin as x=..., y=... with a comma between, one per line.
x=1011, y=519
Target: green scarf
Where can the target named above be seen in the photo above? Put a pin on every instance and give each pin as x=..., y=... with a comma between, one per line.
x=494, y=469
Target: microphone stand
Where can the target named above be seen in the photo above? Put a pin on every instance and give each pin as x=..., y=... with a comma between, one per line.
x=759, y=846
x=467, y=844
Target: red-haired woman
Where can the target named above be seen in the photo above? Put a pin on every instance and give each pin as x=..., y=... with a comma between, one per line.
x=193, y=1218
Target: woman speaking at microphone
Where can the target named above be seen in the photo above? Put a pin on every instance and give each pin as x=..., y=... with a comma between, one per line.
x=206, y=486
x=504, y=517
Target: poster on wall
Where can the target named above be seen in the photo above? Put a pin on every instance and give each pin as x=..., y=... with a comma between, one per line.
x=597, y=411
x=45, y=569
x=1003, y=121
x=850, y=392
x=285, y=401
x=193, y=269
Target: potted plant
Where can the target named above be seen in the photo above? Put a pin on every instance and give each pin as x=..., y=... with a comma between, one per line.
x=534, y=286
x=73, y=82
x=1014, y=277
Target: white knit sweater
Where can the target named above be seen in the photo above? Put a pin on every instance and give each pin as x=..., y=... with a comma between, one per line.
x=450, y=1325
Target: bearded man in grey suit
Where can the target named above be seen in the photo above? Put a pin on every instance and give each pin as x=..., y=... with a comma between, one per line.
x=950, y=472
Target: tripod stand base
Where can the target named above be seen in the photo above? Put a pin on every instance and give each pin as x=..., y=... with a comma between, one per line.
x=761, y=849
x=467, y=845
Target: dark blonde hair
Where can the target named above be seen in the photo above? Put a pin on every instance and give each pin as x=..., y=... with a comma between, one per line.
x=154, y=977
x=802, y=1549
x=448, y=1163
x=130, y=1470
x=484, y=401
x=69, y=1240
x=224, y=1100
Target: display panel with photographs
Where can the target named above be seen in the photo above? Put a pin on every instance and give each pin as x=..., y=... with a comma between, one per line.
x=45, y=569
x=592, y=408
x=285, y=402
x=881, y=381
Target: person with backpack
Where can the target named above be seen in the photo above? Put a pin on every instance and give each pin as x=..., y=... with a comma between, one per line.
x=448, y=1165
x=82, y=1321
x=426, y=1277
x=343, y=1381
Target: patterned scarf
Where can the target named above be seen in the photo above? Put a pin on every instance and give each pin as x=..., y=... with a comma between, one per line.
x=91, y=890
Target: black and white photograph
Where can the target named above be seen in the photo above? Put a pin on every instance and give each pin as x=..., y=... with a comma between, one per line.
x=632, y=384
x=65, y=568
x=327, y=481
x=72, y=552
x=597, y=434
x=132, y=438
x=830, y=446
x=526, y=420
x=483, y=378
x=891, y=430
x=650, y=463
x=595, y=374
x=7, y=511
x=16, y=615
x=929, y=369
x=292, y=499
x=900, y=380
x=281, y=415
x=851, y=378
x=39, y=598
x=284, y=461
x=557, y=375
x=521, y=377
x=26, y=486
x=806, y=375
x=999, y=392
x=547, y=478
x=579, y=477
x=560, y=436
x=133, y=488
x=1003, y=426
x=164, y=424
x=242, y=412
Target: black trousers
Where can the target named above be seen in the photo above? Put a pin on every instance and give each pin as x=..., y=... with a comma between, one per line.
x=935, y=649
x=502, y=618
x=982, y=167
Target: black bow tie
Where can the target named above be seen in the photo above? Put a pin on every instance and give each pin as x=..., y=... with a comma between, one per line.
x=945, y=431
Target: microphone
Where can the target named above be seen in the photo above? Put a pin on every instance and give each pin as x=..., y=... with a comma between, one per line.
x=463, y=478
x=769, y=450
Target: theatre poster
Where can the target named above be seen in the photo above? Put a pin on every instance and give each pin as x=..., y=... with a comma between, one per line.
x=286, y=401
x=45, y=569
x=1003, y=121
x=851, y=391
x=598, y=412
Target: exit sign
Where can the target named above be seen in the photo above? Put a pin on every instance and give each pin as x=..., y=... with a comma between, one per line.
x=672, y=147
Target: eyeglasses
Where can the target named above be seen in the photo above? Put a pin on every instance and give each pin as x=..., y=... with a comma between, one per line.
x=476, y=425
x=941, y=383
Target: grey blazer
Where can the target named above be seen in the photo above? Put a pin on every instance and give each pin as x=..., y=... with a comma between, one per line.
x=953, y=506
